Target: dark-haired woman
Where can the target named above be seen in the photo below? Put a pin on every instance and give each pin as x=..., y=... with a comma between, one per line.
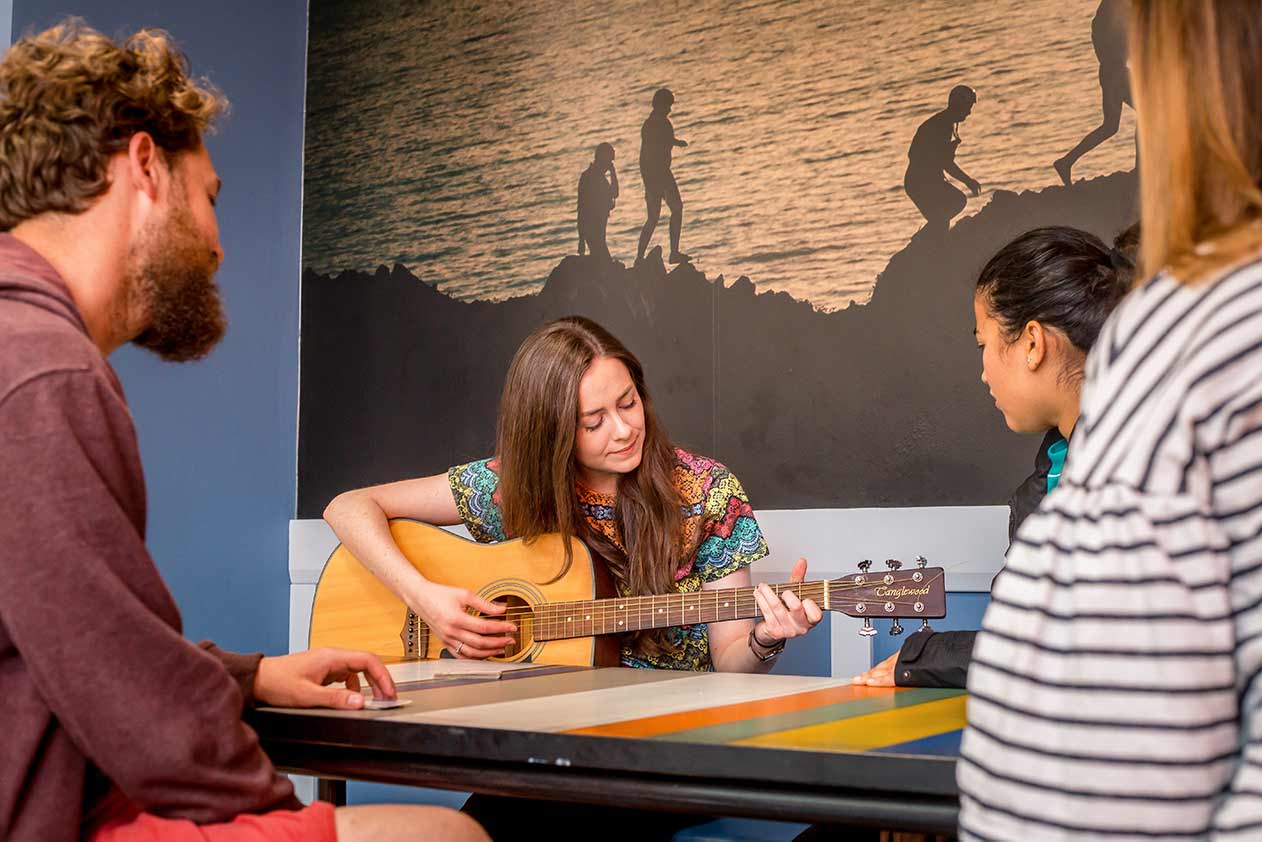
x=1039, y=305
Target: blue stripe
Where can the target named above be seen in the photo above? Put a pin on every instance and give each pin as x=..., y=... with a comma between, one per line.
x=943, y=745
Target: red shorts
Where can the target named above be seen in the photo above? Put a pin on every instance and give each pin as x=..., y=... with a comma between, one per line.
x=312, y=824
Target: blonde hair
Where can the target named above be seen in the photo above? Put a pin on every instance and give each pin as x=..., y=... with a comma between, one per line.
x=70, y=98
x=1197, y=66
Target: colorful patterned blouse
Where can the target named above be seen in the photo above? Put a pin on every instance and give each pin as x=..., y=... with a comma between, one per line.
x=718, y=521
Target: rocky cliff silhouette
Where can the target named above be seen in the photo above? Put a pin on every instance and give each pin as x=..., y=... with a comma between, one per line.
x=874, y=405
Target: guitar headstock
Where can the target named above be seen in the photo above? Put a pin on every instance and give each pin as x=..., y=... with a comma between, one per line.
x=918, y=592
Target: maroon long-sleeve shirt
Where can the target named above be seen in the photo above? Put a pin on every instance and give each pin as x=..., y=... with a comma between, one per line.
x=99, y=692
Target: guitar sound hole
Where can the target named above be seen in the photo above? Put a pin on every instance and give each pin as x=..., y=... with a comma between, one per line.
x=518, y=613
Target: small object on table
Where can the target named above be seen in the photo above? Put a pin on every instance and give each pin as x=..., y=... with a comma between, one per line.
x=385, y=704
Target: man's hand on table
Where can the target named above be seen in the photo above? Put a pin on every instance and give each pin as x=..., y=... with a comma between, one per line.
x=300, y=680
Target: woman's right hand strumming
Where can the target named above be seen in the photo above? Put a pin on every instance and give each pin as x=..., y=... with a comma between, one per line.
x=361, y=520
x=446, y=610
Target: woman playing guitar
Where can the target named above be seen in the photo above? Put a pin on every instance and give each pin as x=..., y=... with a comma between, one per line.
x=580, y=451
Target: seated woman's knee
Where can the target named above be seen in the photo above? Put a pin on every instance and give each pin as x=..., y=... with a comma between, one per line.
x=403, y=823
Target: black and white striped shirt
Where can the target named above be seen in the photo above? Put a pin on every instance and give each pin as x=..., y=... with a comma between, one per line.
x=1115, y=690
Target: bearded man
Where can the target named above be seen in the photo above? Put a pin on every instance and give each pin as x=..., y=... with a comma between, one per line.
x=114, y=727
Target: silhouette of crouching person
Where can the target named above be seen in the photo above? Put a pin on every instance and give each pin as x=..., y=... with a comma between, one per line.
x=932, y=157
x=597, y=196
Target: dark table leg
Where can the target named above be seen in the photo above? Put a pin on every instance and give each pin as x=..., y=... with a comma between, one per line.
x=331, y=790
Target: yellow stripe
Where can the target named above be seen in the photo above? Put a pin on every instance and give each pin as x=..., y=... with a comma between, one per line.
x=875, y=730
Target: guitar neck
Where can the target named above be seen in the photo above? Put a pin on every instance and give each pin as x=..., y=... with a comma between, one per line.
x=558, y=620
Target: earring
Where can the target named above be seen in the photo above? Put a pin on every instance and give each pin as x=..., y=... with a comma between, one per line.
x=1029, y=361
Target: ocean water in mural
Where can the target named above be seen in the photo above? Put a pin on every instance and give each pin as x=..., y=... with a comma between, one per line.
x=450, y=137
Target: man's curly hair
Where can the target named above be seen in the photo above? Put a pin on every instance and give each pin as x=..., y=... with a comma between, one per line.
x=70, y=98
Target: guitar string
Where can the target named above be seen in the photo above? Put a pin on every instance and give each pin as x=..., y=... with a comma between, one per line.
x=613, y=606
x=632, y=613
x=548, y=615
x=553, y=627
x=802, y=590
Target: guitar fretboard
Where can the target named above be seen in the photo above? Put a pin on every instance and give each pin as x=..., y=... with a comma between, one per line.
x=558, y=620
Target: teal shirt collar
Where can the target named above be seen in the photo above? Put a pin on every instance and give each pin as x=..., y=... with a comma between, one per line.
x=1056, y=452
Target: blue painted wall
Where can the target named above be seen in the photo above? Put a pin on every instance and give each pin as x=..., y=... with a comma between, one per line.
x=218, y=437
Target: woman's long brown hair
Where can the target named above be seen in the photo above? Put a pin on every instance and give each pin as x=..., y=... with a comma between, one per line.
x=535, y=444
x=1197, y=68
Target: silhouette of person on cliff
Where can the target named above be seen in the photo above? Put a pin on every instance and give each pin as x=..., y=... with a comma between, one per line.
x=657, y=143
x=597, y=196
x=1108, y=36
x=932, y=157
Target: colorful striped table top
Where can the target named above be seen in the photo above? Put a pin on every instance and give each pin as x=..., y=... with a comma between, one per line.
x=762, y=711
x=792, y=748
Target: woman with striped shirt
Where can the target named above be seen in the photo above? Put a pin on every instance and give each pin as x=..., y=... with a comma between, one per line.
x=1115, y=680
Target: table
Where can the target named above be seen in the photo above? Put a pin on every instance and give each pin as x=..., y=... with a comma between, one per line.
x=791, y=748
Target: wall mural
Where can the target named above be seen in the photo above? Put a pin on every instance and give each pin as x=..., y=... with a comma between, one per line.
x=781, y=207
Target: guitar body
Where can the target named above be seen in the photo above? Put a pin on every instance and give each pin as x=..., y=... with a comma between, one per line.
x=354, y=610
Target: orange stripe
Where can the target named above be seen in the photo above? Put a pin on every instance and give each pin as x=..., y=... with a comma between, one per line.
x=668, y=723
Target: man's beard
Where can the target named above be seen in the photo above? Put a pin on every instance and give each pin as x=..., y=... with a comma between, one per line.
x=172, y=284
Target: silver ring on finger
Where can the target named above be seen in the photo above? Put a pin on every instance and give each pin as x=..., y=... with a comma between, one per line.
x=459, y=646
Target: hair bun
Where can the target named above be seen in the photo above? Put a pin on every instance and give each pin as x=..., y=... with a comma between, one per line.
x=1119, y=261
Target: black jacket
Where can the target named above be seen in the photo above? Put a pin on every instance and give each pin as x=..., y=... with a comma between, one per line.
x=940, y=659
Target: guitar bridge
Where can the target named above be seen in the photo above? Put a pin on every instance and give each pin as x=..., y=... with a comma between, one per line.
x=409, y=634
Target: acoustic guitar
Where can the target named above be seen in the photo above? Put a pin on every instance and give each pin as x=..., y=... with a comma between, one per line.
x=572, y=616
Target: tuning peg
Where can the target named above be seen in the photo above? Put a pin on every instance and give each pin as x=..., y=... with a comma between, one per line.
x=896, y=628
x=868, y=629
x=921, y=561
x=893, y=563
x=865, y=565
x=924, y=626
